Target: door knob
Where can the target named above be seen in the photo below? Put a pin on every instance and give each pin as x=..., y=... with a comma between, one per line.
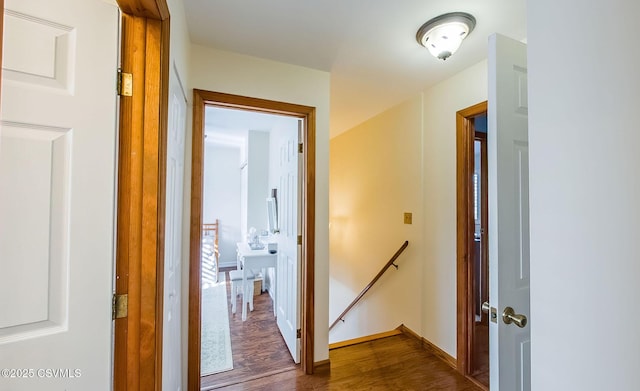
x=485, y=307
x=509, y=316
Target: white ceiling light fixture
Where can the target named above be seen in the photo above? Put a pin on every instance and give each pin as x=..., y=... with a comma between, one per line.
x=443, y=34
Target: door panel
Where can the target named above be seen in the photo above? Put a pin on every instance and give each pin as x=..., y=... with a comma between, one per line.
x=288, y=314
x=508, y=212
x=171, y=352
x=57, y=170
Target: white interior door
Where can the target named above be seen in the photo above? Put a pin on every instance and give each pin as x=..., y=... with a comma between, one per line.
x=287, y=279
x=57, y=186
x=508, y=161
x=171, y=351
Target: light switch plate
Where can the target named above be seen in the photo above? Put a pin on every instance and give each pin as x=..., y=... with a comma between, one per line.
x=407, y=218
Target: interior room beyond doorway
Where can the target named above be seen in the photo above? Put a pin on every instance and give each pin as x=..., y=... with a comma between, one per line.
x=243, y=153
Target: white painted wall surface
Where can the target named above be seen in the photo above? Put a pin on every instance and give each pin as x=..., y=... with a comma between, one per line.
x=441, y=103
x=375, y=177
x=221, y=200
x=227, y=72
x=360, y=212
x=180, y=44
x=584, y=192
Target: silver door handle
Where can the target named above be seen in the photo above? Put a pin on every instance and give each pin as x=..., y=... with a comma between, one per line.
x=485, y=307
x=509, y=316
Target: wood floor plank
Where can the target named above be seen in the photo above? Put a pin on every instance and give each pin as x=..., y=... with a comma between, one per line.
x=392, y=363
x=256, y=344
x=262, y=362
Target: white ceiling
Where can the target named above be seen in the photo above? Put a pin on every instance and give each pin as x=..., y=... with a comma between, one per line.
x=225, y=126
x=368, y=46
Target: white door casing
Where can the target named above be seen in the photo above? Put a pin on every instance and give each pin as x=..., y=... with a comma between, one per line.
x=171, y=351
x=508, y=162
x=57, y=194
x=288, y=279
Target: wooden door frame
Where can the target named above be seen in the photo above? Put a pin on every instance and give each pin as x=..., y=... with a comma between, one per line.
x=142, y=151
x=201, y=99
x=465, y=137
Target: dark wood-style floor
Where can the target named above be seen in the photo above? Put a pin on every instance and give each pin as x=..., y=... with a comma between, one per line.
x=256, y=344
x=392, y=363
x=262, y=362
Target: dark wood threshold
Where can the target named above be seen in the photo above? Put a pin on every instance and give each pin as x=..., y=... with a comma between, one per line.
x=250, y=378
x=324, y=365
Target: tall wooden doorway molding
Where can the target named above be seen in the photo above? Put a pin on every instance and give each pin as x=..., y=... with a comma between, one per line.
x=142, y=147
x=465, y=137
x=201, y=99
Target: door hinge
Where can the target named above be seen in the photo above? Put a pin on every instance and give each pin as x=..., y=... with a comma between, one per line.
x=298, y=333
x=299, y=240
x=125, y=83
x=119, y=306
x=300, y=148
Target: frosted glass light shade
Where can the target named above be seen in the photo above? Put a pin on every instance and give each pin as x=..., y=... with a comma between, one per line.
x=443, y=35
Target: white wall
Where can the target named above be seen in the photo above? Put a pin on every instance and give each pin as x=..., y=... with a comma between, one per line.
x=441, y=103
x=402, y=160
x=375, y=176
x=258, y=180
x=584, y=192
x=221, y=71
x=221, y=198
x=180, y=45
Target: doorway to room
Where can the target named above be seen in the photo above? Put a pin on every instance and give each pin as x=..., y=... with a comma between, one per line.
x=472, y=244
x=245, y=198
x=289, y=283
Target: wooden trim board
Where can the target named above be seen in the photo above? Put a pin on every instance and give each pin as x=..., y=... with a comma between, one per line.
x=367, y=338
x=465, y=227
x=141, y=204
x=150, y=9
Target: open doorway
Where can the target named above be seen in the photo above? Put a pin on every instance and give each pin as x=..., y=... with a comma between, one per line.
x=250, y=191
x=295, y=239
x=472, y=244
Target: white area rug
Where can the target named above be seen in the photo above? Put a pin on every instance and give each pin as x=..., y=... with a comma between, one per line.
x=215, y=348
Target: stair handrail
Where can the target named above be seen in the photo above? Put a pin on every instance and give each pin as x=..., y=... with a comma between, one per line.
x=373, y=281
